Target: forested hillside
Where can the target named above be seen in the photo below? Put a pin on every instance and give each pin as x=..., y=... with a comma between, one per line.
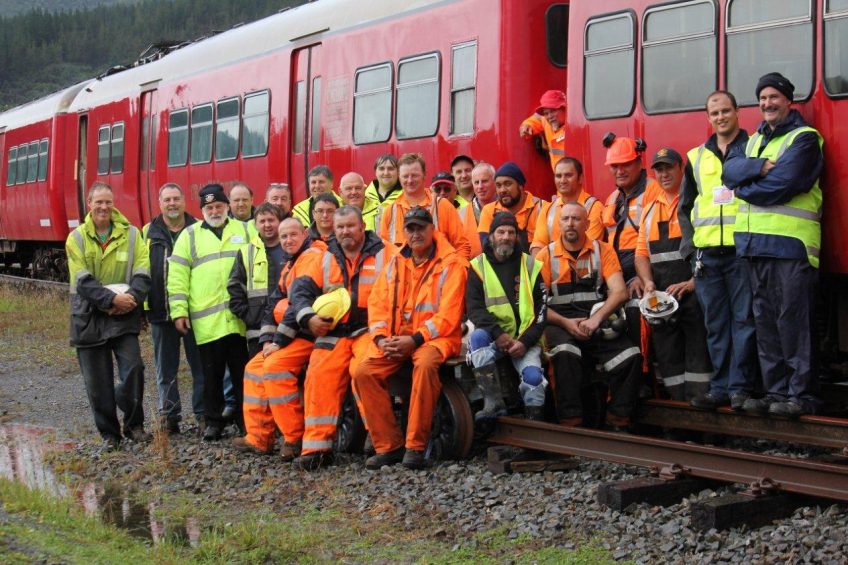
x=43, y=51
x=15, y=7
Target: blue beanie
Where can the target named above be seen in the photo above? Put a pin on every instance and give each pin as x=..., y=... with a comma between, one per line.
x=511, y=170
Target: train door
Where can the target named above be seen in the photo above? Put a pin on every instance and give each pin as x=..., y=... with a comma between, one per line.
x=82, y=168
x=148, y=191
x=305, y=117
x=4, y=160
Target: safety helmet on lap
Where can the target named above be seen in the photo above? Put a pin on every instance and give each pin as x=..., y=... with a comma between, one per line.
x=335, y=304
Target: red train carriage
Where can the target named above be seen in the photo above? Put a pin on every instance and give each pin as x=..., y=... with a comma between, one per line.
x=648, y=66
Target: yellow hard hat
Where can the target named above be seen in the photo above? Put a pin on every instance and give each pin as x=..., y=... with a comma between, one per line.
x=334, y=304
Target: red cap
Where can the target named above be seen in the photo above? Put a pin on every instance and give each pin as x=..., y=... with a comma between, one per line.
x=551, y=99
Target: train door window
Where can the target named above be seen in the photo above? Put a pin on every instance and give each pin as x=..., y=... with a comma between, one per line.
x=116, y=161
x=227, y=130
x=765, y=36
x=316, y=114
x=32, y=162
x=610, y=67
x=372, y=104
x=154, y=131
x=42, y=160
x=12, y=166
x=299, y=116
x=556, y=34
x=145, y=142
x=463, y=87
x=22, y=164
x=178, y=138
x=417, y=97
x=254, y=141
x=201, y=134
x=836, y=47
x=678, y=56
x=103, y=136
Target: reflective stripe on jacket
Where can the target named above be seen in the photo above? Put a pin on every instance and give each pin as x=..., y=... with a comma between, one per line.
x=445, y=219
x=554, y=139
x=495, y=297
x=248, y=285
x=713, y=224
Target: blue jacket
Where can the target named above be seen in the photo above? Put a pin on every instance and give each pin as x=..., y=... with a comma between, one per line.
x=796, y=172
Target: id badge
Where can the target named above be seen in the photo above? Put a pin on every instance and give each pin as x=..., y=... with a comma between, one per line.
x=722, y=195
x=236, y=239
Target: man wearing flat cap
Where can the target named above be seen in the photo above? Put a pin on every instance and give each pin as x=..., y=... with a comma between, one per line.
x=548, y=120
x=511, y=197
x=505, y=300
x=414, y=314
x=778, y=230
x=198, y=271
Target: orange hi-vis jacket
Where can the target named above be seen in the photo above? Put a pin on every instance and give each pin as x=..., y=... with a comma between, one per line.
x=280, y=298
x=445, y=218
x=324, y=272
x=527, y=218
x=426, y=301
x=547, y=226
x=659, y=240
x=623, y=228
x=554, y=138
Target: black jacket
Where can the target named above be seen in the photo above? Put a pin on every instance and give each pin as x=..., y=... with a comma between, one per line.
x=250, y=309
x=507, y=272
x=160, y=245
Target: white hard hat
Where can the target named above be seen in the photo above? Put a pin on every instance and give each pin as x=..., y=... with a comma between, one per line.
x=612, y=327
x=657, y=306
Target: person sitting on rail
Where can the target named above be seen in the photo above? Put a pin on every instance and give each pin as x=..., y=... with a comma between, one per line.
x=509, y=184
x=679, y=344
x=548, y=120
x=271, y=396
x=352, y=191
x=241, y=202
x=722, y=280
x=385, y=188
x=351, y=262
x=414, y=314
x=415, y=193
x=568, y=178
x=106, y=250
x=778, y=230
x=320, y=181
x=483, y=181
x=509, y=319
x=323, y=207
x=443, y=185
x=198, y=271
x=160, y=235
x=255, y=271
x=461, y=167
x=279, y=194
x=579, y=274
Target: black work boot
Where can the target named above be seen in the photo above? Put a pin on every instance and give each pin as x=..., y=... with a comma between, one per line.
x=535, y=413
x=490, y=386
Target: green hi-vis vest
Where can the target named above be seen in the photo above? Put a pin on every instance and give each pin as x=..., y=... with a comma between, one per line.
x=713, y=224
x=496, y=300
x=255, y=261
x=800, y=217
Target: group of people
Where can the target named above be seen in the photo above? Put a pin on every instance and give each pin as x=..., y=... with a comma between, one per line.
x=281, y=308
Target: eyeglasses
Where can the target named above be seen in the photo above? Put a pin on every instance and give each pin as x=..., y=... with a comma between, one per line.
x=441, y=188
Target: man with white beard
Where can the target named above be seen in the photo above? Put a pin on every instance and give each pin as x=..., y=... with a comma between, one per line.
x=198, y=271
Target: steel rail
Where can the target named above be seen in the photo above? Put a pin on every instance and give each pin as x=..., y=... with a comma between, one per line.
x=24, y=281
x=799, y=476
x=811, y=430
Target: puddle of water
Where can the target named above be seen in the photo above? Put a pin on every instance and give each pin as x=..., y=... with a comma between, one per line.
x=22, y=451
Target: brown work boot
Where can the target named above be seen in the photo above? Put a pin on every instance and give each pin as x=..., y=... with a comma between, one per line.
x=571, y=422
x=288, y=451
x=241, y=444
x=618, y=423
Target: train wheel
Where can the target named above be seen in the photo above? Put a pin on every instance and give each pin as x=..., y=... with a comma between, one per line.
x=453, y=424
x=350, y=430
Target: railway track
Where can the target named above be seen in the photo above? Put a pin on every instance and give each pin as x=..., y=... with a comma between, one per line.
x=25, y=282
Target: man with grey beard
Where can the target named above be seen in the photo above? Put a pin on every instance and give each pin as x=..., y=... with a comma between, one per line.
x=505, y=300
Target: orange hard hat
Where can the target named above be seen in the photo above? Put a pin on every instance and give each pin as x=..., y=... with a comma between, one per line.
x=621, y=150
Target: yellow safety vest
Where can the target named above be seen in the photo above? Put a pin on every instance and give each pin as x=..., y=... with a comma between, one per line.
x=255, y=262
x=800, y=217
x=713, y=224
x=495, y=297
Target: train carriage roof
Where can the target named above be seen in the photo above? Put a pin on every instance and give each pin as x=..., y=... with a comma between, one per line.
x=41, y=109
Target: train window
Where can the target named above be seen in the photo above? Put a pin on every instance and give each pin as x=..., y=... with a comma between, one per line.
x=227, y=130
x=556, y=33
x=836, y=47
x=765, y=36
x=678, y=56
x=201, y=134
x=178, y=138
x=32, y=162
x=12, y=166
x=22, y=164
x=299, y=116
x=254, y=142
x=116, y=162
x=463, y=87
x=103, y=137
x=417, y=97
x=316, y=114
x=42, y=160
x=372, y=104
x=610, y=64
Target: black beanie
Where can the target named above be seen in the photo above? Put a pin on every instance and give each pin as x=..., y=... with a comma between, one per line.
x=503, y=219
x=778, y=82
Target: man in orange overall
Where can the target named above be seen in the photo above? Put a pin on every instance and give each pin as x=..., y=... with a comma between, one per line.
x=548, y=120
